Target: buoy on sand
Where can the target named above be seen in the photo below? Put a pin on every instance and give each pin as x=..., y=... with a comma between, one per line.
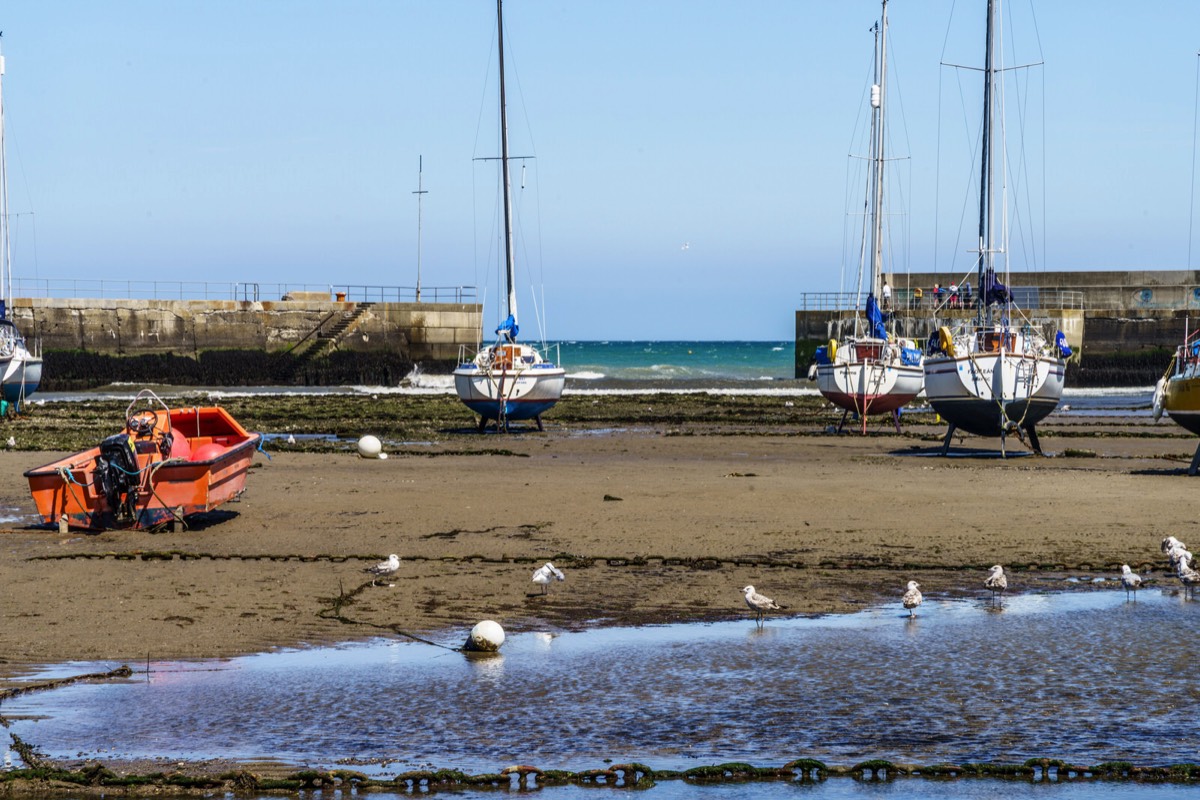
x=369, y=447
x=485, y=637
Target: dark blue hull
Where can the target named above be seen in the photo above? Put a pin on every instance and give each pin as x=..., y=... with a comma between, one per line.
x=513, y=409
x=982, y=418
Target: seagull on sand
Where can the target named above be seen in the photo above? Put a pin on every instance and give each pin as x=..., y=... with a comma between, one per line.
x=546, y=574
x=997, y=582
x=384, y=568
x=912, y=597
x=1130, y=580
x=760, y=604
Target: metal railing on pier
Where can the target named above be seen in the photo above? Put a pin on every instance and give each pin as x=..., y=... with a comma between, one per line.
x=1030, y=298
x=245, y=291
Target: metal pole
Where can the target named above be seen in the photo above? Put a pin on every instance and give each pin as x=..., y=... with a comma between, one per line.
x=418, y=193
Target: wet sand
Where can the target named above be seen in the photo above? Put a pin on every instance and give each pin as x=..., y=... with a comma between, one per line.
x=648, y=527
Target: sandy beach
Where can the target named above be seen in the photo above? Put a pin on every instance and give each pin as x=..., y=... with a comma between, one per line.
x=648, y=528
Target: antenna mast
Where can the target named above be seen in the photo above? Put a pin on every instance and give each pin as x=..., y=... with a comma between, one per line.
x=418, y=193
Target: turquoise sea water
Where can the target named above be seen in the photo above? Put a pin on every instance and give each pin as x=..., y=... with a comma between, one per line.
x=670, y=362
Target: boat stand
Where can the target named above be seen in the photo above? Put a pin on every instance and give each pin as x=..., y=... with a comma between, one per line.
x=896, y=420
x=842, y=424
x=1195, y=465
x=1033, y=440
x=949, y=435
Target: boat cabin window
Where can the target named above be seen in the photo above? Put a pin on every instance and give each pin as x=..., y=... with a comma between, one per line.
x=992, y=340
x=865, y=352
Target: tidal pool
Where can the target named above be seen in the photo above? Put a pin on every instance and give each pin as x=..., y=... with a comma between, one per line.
x=1082, y=675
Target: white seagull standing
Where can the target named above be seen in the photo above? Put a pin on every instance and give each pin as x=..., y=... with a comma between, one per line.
x=912, y=597
x=384, y=568
x=997, y=582
x=760, y=604
x=546, y=574
x=1130, y=580
x=1187, y=576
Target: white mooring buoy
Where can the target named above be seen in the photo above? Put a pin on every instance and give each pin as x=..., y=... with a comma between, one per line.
x=485, y=637
x=369, y=446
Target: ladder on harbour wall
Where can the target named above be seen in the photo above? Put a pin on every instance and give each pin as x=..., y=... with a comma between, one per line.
x=328, y=333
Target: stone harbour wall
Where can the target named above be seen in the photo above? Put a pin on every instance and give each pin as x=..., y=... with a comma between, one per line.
x=414, y=331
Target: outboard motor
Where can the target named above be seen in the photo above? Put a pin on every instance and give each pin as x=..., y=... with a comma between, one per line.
x=117, y=474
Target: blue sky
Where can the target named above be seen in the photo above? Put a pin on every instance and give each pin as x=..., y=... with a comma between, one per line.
x=278, y=142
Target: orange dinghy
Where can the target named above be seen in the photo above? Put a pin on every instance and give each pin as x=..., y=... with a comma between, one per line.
x=165, y=464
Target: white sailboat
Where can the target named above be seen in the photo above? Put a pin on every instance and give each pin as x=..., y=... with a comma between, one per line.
x=998, y=373
x=508, y=380
x=872, y=372
x=20, y=368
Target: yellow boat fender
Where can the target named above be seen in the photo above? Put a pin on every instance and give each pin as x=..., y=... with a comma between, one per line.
x=832, y=349
x=1160, y=390
x=946, y=341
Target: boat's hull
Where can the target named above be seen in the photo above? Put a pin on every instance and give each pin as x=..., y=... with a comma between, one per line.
x=206, y=467
x=521, y=394
x=1181, y=401
x=20, y=375
x=987, y=393
x=869, y=387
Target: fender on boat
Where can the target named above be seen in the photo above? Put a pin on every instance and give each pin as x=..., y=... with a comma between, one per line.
x=946, y=341
x=1160, y=390
x=832, y=350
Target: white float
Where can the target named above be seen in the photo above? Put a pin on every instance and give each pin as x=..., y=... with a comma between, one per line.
x=485, y=637
x=370, y=447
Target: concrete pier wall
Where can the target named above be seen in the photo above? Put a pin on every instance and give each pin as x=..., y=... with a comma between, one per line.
x=415, y=332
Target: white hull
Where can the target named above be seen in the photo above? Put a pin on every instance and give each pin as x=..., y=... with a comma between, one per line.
x=20, y=375
x=868, y=376
x=509, y=382
x=987, y=392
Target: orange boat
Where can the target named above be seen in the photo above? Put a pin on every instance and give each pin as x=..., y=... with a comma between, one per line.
x=165, y=464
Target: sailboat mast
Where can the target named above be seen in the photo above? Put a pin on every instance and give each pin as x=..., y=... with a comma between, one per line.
x=879, y=92
x=6, y=266
x=986, y=273
x=508, y=237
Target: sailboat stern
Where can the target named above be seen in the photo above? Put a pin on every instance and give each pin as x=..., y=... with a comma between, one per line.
x=988, y=394
x=509, y=382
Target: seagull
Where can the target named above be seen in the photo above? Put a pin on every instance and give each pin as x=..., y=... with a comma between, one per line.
x=12, y=442
x=1188, y=577
x=384, y=568
x=912, y=597
x=1131, y=581
x=546, y=574
x=291, y=439
x=997, y=582
x=759, y=604
x=1179, y=555
x=1170, y=543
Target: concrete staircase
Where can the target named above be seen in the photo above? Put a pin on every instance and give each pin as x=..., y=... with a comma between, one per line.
x=325, y=337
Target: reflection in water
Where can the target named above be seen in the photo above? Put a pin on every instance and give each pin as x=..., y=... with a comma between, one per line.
x=1086, y=678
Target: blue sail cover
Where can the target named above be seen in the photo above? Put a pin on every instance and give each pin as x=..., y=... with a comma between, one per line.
x=993, y=290
x=875, y=318
x=508, y=329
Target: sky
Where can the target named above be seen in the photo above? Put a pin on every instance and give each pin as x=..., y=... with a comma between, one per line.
x=691, y=159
